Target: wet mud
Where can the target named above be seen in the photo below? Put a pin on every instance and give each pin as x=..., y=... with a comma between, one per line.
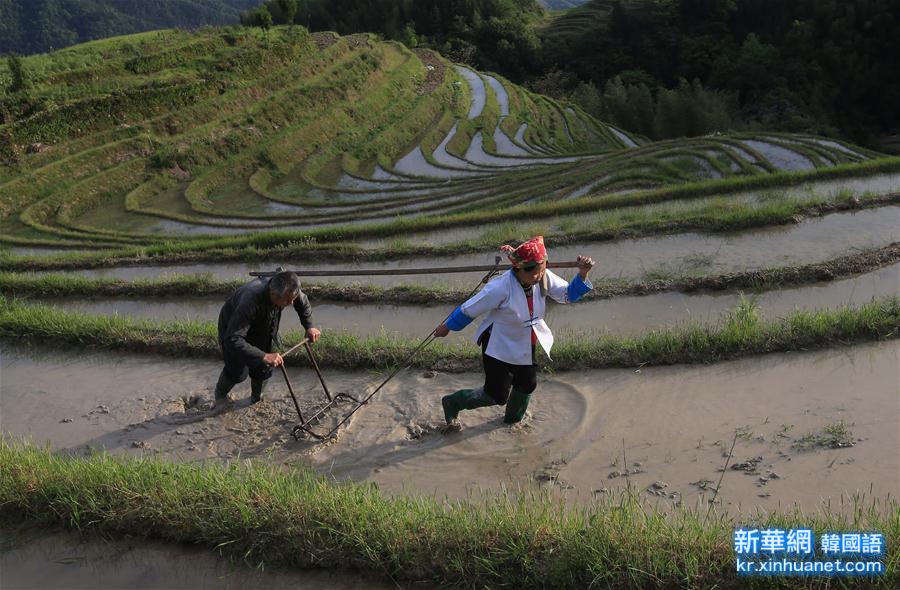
x=583, y=431
x=59, y=560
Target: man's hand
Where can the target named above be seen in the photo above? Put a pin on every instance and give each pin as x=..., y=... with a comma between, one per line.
x=585, y=264
x=441, y=330
x=313, y=334
x=273, y=359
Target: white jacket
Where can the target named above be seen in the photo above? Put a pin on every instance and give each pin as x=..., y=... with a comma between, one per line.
x=503, y=299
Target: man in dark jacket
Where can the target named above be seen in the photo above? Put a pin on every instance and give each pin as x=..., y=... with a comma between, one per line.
x=248, y=331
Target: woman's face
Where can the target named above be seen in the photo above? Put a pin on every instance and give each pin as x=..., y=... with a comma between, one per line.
x=529, y=275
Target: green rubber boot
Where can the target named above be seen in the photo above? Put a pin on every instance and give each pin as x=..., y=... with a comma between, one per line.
x=464, y=399
x=256, y=389
x=516, y=406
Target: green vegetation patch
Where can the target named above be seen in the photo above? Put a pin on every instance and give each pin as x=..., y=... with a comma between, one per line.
x=832, y=436
x=615, y=217
x=270, y=516
x=61, y=285
x=739, y=333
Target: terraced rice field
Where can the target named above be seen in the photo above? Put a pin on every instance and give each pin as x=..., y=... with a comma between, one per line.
x=201, y=156
x=580, y=18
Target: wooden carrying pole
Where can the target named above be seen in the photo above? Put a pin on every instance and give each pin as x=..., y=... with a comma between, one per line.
x=399, y=271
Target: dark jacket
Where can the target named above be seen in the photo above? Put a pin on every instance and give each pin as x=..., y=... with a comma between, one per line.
x=248, y=322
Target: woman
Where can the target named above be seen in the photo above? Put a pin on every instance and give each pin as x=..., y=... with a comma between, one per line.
x=515, y=304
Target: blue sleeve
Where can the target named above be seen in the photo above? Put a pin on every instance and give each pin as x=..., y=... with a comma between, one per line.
x=458, y=320
x=577, y=288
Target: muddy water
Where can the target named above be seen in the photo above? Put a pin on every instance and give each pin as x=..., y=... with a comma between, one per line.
x=780, y=157
x=445, y=158
x=629, y=143
x=620, y=315
x=476, y=84
x=639, y=314
x=62, y=560
x=172, y=227
x=40, y=250
x=505, y=146
x=674, y=422
x=814, y=240
x=520, y=139
x=878, y=185
x=293, y=184
x=415, y=164
x=364, y=320
x=476, y=153
x=135, y=404
x=836, y=146
x=381, y=174
x=566, y=129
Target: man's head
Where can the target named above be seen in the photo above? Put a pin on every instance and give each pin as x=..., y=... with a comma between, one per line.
x=284, y=287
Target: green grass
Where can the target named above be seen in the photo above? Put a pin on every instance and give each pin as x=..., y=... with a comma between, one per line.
x=63, y=285
x=269, y=516
x=613, y=221
x=833, y=436
x=739, y=333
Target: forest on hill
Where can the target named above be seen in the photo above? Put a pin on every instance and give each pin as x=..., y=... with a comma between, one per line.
x=795, y=65
x=38, y=26
x=663, y=68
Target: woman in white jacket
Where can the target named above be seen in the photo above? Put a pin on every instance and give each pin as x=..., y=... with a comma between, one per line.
x=514, y=303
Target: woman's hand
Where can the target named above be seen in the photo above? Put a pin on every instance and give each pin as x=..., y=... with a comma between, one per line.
x=585, y=264
x=441, y=330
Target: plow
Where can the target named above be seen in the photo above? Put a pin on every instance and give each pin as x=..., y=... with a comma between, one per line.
x=307, y=424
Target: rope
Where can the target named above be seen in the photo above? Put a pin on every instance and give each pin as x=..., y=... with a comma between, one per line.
x=422, y=345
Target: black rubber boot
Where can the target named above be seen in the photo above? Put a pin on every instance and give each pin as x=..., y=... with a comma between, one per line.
x=516, y=406
x=464, y=399
x=223, y=386
x=256, y=389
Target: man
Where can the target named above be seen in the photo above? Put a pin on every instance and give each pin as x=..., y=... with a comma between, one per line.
x=248, y=331
x=514, y=303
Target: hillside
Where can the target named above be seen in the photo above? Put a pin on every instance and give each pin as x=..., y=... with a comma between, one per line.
x=166, y=135
x=794, y=65
x=37, y=26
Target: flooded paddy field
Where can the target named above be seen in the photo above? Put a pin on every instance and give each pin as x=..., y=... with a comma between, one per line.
x=875, y=184
x=360, y=319
x=619, y=315
x=812, y=428
x=810, y=241
x=58, y=560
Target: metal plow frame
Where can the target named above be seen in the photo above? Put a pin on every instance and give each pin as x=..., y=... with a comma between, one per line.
x=305, y=426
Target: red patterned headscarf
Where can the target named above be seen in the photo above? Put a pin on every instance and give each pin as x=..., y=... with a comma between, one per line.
x=531, y=251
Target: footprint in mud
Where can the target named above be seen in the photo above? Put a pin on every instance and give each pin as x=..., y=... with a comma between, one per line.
x=421, y=430
x=418, y=430
x=549, y=474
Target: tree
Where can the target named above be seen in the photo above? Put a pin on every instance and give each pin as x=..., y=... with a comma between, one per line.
x=264, y=19
x=408, y=35
x=289, y=9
